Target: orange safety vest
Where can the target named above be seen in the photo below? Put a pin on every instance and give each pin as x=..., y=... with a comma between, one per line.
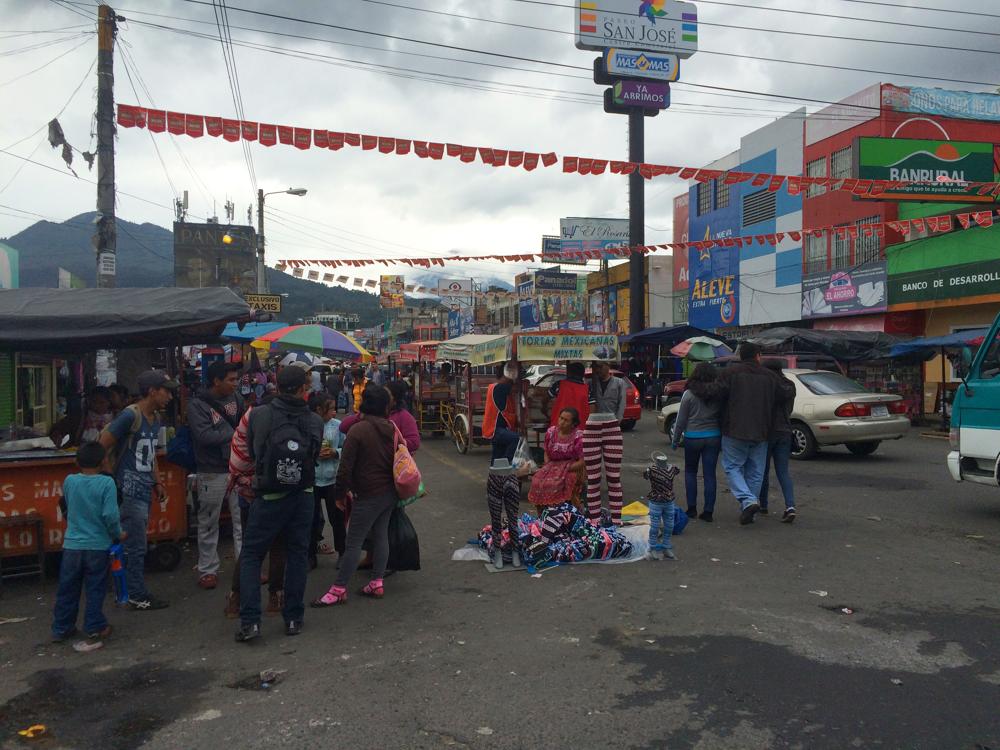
x=490, y=417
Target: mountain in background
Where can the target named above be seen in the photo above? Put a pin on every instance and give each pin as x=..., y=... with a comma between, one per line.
x=146, y=259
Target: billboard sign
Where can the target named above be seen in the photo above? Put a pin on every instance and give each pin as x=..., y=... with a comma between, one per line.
x=681, y=215
x=568, y=347
x=653, y=25
x=10, y=267
x=391, y=290
x=951, y=282
x=944, y=167
x=264, y=302
x=552, y=252
x=632, y=64
x=554, y=281
x=69, y=280
x=714, y=298
x=641, y=94
x=854, y=291
x=203, y=259
x=962, y=105
x=455, y=294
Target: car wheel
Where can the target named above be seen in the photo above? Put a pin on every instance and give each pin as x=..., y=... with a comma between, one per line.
x=627, y=424
x=864, y=449
x=668, y=428
x=803, y=442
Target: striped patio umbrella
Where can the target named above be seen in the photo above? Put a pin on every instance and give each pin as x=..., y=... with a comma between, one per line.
x=314, y=339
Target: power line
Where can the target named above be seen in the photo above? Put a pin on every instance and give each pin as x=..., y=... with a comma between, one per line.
x=701, y=22
x=924, y=7
x=45, y=65
x=43, y=45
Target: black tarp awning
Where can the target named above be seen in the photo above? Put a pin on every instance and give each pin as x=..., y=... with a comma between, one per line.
x=667, y=337
x=73, y=320
x=846, y=346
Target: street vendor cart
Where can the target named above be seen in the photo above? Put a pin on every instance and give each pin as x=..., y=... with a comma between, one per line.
x=64, y=326
x=473, y=357
x=431, y=393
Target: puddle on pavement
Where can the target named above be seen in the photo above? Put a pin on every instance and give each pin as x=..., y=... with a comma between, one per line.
x=116, y=709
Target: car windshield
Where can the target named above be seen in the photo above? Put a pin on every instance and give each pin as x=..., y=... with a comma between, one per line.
x=830, y=383
x=991, y=362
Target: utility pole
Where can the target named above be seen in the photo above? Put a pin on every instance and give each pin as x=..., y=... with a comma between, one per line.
x=261, y=268
x=636, y=221
x=106, y=236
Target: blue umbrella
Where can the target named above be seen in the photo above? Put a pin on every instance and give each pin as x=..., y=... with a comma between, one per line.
x=250, y=331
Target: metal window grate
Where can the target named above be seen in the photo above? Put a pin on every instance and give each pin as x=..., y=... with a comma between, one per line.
x=815, y=254
x=704, y=198
x=816, y=168
x=841, y=251
x=867, y=249
x=842, y=163
x=758, y=207
x=721, y=193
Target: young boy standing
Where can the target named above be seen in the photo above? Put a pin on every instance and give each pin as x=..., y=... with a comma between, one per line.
x=660, y=499
x=92, y=525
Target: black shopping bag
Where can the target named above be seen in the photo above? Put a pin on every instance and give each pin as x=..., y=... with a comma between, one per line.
x=404, y=547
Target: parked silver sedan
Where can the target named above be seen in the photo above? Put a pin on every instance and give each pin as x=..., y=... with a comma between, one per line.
x=831, y=409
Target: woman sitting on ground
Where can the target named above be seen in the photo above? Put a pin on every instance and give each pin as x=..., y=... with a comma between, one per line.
x=561, y=478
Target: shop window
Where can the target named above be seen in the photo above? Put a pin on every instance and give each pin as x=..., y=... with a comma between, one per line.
x=867, y=249
x=842, y=163
x=721, y=193
x=758, y=207
x=841, y=251
x=815, y=254
x=704, y=198
x=816, y=168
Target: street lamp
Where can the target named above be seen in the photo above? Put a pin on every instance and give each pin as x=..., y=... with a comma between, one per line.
x=261, y=268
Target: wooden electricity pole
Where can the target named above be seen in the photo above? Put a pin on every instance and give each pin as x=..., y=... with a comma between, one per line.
x=106, y=236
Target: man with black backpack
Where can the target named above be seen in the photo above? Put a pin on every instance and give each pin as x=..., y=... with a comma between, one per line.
x=284, y=439
x=212, y=417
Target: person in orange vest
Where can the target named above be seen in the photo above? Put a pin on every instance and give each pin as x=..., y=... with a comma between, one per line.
x=500, y=417
x=570, y=393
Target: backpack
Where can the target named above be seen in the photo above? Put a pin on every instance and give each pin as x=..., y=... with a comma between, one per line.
x=405, y=473
x=180, y=449
x=288, y=460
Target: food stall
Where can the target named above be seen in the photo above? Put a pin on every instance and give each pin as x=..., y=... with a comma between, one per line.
x=66, y=326
x=473, y=356
x=431, y=394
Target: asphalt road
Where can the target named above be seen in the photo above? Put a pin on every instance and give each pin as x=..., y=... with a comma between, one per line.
x=740, y=644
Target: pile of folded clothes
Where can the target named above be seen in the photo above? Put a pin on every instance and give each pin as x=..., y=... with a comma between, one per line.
x=562, y=535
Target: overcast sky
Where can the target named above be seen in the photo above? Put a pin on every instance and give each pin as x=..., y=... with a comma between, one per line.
x=365, y=204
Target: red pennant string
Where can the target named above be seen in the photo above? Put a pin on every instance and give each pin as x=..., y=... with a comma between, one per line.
x=321, y=139
x=303, y=138
x=267, y=134
x=286, y=135
x=175, y=123
x=156, y=120
x=194, y=126
x=248, y=130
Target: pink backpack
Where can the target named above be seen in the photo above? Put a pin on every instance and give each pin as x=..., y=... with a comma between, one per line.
x=405, y=473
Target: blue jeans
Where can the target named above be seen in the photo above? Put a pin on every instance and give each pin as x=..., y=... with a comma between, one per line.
x=134, y=520
x=504, y=444
x=743, y=461
x=707, y=451
x=780, y=452
x=661, y=514
x=81, y=570
x=292, y=514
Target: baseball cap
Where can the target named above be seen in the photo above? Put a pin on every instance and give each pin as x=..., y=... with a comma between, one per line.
x=155, y=379
x=292, y=378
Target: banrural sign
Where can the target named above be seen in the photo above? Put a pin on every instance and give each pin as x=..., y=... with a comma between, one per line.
x=651, y=25
x=632, y=64
x=944, y=169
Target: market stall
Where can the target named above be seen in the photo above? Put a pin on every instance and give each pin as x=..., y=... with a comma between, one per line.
x=66, y=326
x=432, y=393
x=473, y=357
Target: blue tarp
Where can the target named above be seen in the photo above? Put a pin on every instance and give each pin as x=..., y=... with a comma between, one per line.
x=933, y=344
x=250, y=332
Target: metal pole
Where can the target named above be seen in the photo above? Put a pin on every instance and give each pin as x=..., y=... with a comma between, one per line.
x=261, y=268
x=636, y=221
x=105, y=239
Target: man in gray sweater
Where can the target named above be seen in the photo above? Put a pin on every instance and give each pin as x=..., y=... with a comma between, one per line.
x=212, y=417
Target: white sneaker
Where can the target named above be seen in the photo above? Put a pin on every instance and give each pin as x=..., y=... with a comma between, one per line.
x=669, y=554
x=654, y=554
